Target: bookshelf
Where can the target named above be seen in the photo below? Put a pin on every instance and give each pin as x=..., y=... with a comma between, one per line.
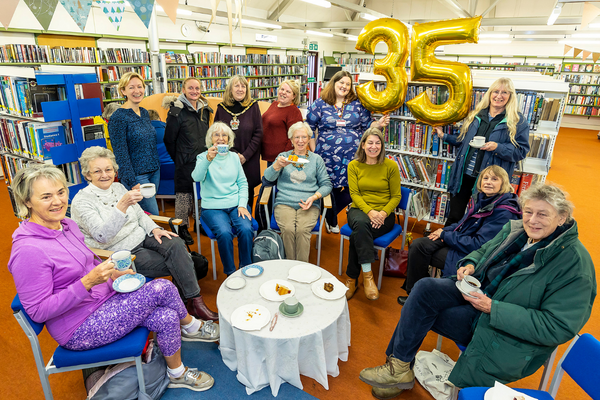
x=584, y=88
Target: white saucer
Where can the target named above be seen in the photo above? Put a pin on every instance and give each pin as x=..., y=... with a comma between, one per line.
x=300, y=161
x=267, y=290
x=304, y=273
x=475, y=146
x=129, y=283
x=235, y=282
x=457, y=283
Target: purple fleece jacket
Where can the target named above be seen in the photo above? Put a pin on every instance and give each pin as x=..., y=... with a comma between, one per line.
x=47, y=267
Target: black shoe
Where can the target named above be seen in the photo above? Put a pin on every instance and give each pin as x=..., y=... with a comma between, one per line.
x=185, y=235
x=402, y=300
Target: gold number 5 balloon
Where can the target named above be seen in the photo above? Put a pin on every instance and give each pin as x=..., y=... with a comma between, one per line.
x=395, y=35
x=424, y=67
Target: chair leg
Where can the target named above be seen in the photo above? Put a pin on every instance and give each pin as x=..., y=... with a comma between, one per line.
x=438, y=347
x=341, y=253
x=140, y=374
x=162, y=204
x=547, y=370
x=319, y=245
x=214, y=261
x=381, y=262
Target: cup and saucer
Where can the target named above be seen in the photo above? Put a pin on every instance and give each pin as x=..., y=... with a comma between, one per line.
x=477, y=142
x=469, y=284
x=291, y=308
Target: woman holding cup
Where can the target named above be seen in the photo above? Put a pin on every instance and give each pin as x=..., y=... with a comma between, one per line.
x=494, y=133
x=110, y=218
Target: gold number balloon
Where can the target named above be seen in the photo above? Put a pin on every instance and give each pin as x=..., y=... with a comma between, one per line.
x=395, y=35
x=424, y=67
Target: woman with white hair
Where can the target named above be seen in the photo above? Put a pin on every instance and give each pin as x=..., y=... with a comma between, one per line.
x=497, y=118
x=224, y=193
x=110, y=218
x=300, y=185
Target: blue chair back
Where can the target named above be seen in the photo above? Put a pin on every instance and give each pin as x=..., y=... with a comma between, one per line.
x=405, y=198
x=17, y=306
x=582, y=363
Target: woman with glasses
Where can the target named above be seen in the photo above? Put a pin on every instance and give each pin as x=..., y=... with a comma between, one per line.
x=497, y=118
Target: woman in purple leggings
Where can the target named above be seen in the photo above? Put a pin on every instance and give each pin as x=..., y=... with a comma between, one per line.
x=63, y=284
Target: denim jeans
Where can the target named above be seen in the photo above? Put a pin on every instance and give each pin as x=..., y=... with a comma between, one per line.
x=221, y=222
x=150, y=205
x=434, y=304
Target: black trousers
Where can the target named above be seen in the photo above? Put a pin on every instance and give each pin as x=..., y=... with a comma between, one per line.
x=361, y=240
x=458, y=202
x=422, y=253
x=340, y=198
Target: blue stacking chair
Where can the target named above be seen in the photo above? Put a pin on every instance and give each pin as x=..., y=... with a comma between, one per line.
x=581, y=361
x=211, y=236
x=129, y=348
x=382, y=242
x=272, y=223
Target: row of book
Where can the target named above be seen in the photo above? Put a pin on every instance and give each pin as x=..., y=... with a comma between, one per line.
x=23, y=97
x=419, y=138
x=23, y=53
x=114, y=73
x=539, y=145
x=31, y=139
x=220, y=58
x=584, y=89
x=584, y=100
x=178, y=58
x=428, y=172
x=581, y=67
x=582, y=110
x=11, y=164
x=429, y=205
x=263, y=94
x=521, y=181
x=180, y=72
x=582, y=79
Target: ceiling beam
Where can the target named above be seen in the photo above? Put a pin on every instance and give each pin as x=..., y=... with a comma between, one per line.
x=279, y=10
x=473, y=6
x=490, y=8
x=357, y=8
x=456, y=7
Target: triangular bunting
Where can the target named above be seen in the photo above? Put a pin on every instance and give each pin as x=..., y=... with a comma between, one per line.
x=590, y=12
x=43, y=10
x=576, y=52
x=8, y=9
x=170, y=8
x=595, y=56
x=114, y=10
x=143, y=9
x=567, y=49
x=79, y=10
x=586, y=54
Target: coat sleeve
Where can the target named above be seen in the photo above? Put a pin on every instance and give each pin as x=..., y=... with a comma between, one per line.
x=478, y=256
x=451, y=139
x=171, y=134
x=508, y=151
x=257, y=133
x=117, y=127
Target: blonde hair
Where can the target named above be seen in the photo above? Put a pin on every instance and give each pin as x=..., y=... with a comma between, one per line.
x=293, y=84
x=361, y=155
x=499, y=172
x=22, y=184
x=552, y=195
x=126, y=78
x=511, y=109
x=228, y=95
x=193, y=78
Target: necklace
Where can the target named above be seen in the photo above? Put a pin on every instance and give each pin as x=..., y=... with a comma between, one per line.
x=299, y=166
x=340, y=111
x=111, y=201
x=235, y=123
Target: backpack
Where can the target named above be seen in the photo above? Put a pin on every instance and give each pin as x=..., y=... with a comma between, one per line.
x=267, y=246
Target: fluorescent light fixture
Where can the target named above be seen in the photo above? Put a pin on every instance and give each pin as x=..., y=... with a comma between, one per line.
x=594, y=25
x=490, y=41
x=352, y=38
x=555, y=13
x=179, y=11
x=494, y=35
x=320, y=3
x=577, y=41
x=319, y=33
x=261, y=24
x=586, y=35
x=368, y=16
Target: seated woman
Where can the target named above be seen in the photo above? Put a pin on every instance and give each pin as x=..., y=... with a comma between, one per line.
x=299, y=187
x=374, y=182
x=70, y=290
x=495, y=205
x=538, y=284
x=111, y=219
x=224, y=192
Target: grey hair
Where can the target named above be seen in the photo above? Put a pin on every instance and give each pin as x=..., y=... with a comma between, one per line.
x=219, y=127
x=552, y=195
x=90, y=154
x=109, y=109
x=297, y=126
x=22, y=184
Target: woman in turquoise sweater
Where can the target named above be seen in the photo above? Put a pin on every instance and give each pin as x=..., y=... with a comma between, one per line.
x=374, y=183
x=300, y=185
x=224, y=192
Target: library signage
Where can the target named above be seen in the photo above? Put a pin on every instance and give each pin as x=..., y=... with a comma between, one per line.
x=313, y=46
x=266, y=38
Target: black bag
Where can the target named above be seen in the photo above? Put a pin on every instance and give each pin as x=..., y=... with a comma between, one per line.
x=267, y=246
x=200, y=264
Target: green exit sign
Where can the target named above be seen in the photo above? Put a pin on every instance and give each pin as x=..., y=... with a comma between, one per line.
x=312, y=80
x=313, y=47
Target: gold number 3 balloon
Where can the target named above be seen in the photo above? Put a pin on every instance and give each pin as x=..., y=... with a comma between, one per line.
x=395, y=35
x=424, y=67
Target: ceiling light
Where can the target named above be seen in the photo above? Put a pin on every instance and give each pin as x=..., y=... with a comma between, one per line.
x=586, y=35
x=494, y=35
x=494, y=41
x=319, y=33
x=555, y=13
x=368, y=16
x=594, y=26
x=577, y=41
x=179, y=11
x=352, y=38
x=320, y=3
x=261, y=24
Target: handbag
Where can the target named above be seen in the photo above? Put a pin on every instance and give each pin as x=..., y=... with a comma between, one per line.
x=396, y=262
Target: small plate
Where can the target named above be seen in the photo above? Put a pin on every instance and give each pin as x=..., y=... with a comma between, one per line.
x=475, y=146
x=267, y=290
x=252, y=271
x=304, y=273
x=250, y=317
x=465, y=293
x=235, y=282
x=129, y=283
x=294, y=315
x=339, y=289
x=300, y=161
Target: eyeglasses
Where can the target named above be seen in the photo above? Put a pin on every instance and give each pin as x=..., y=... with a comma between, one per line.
x=220, y=135
x=503, y=92
x=108, y=171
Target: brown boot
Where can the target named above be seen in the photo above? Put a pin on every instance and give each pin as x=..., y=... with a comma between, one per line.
x=351, y=284
x=199, y=309
x=370, y=287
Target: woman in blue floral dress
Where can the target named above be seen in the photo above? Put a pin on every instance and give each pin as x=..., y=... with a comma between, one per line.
x=340, y=120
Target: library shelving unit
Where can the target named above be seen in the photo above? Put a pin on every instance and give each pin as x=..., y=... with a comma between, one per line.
x=584, y=88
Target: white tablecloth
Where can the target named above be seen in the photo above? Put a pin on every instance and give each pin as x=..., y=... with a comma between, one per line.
x=310, y=344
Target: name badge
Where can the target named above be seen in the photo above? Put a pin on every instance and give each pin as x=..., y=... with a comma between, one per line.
x=340, y=123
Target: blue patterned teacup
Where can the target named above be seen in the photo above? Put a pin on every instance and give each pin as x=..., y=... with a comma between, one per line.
x=122, y=260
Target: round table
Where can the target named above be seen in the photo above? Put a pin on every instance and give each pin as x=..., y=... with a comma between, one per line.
x=309, y=344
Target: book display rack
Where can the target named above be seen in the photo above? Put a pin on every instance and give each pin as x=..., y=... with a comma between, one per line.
x=584, y=88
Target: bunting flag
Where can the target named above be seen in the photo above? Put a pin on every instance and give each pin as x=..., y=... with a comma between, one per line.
x=79, y=10
x=170, y=8
x=8, y=10
x=43, y=10
x=567, y=49
x=576, y=52
x=143, y=9
x=114, y=11
x=595, y=56
x=590, y=12
x=585, y=55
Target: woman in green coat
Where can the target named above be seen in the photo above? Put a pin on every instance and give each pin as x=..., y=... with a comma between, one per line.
x=538, y=286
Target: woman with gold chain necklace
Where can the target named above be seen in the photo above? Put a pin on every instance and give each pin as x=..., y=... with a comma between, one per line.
x=242, y=115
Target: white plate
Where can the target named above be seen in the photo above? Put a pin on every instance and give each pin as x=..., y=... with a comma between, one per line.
x=476, y=146
x=300, y=161
x=129, y=283
x=304, y=273
x=235, y=282
x=466, y=293
x=339, y=289
x=267, y=290
x=250, y=317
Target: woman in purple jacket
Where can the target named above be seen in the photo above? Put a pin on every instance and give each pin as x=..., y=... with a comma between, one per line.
x=493, y=207
x=63, y=284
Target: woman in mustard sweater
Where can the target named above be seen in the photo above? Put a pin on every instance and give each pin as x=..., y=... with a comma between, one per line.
x=374, y=183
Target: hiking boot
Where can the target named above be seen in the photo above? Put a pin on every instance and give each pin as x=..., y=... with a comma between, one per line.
x=192, y=379
x=351, y=284
x=385, y=394
x=185, y=235
x=200, y=310
x=393, y=374
x=208, y=332
x=370, y=287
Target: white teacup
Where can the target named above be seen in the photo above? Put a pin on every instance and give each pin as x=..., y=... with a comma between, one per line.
x=222, y=149
x=478, y=140
x=290, y=305
x=121, y=259
x=148, y=190
x=470, y=284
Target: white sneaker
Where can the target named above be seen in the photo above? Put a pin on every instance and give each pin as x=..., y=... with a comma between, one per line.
x=209, y=332
x=332, y=229
x=192, y=379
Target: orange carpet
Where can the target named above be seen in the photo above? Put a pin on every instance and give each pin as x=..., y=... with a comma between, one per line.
x=575, y=159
